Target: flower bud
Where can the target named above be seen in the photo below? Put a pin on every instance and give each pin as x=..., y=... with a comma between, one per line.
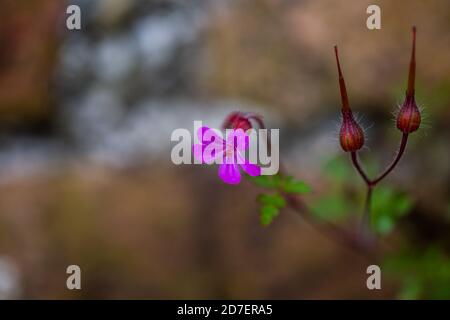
x=408, y=117
x=351, y=135
x=238, y=120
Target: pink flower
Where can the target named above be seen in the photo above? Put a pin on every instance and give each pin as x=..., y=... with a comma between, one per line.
x=229, y=153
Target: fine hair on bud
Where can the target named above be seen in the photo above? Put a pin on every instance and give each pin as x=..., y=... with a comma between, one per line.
x=409, y=117
x=351, y=135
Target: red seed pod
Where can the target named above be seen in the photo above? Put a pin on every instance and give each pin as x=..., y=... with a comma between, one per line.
x=238, y=120
x=408, y=117
x=351, y=135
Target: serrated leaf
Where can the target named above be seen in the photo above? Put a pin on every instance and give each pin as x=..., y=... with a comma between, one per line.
x=268, y=213
x=275, y=200
x=263, y=181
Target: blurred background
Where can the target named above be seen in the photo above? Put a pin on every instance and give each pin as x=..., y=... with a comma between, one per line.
x=85, y=170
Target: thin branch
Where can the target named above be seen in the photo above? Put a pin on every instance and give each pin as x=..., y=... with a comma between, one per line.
x=367, y=234
x=412, y=67
x=341, y=235
x=367, y=206
x=400, y=152
x=359, y=168
x=365, y=224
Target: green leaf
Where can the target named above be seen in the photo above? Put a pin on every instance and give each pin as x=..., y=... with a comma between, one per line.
x=275, y=200
x=287, y=184
x=423, y=274
x=338, y=169
x=387, y=207
x=262, y=181
x=411, y=290
x=331, y=207
x=290, y=185
x=267, y=214
x=385, y=224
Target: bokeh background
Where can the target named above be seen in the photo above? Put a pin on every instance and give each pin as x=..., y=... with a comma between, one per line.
x=85, y=170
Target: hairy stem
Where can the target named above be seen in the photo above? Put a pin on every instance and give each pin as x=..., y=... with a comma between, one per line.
x=343, y=236
x=365, y=224
x=400, y=152
x=359, y=168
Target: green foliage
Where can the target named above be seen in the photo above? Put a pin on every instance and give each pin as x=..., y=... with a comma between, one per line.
x=338, y=170
x=338, y=202
x=424, y=275
x=269, y=182
x=285, y=183
x=270, y=207
x=267, y=214
x=387, y=207
x=290, y=185
x=275, y=200
x=271, y=203
x=334, y=203
x=331, y=207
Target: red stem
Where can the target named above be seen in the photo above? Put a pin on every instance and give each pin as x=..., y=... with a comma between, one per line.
x=367, y=236
x=412, y=66
x=359, y=168
x=342, y=88
x=374, y=182
x=341, y=235
x=400, y=152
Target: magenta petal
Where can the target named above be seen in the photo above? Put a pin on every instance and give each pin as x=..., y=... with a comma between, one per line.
x=212, y=152
x=207, y=153
x=238, y=140
x=229, y=173
x=209, y=136
x=251, y=169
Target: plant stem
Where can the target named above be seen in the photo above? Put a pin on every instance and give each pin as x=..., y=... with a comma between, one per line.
x=359, y=168
x=412, y=67
x=400, y=152
x=339, y=234
x=343, y=236
x=365, y=224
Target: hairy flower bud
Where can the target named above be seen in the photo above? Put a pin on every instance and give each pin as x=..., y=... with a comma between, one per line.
x=351, y=135
x=408, y=117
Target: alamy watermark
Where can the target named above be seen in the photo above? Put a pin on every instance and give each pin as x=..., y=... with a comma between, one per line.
x=232, y=147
